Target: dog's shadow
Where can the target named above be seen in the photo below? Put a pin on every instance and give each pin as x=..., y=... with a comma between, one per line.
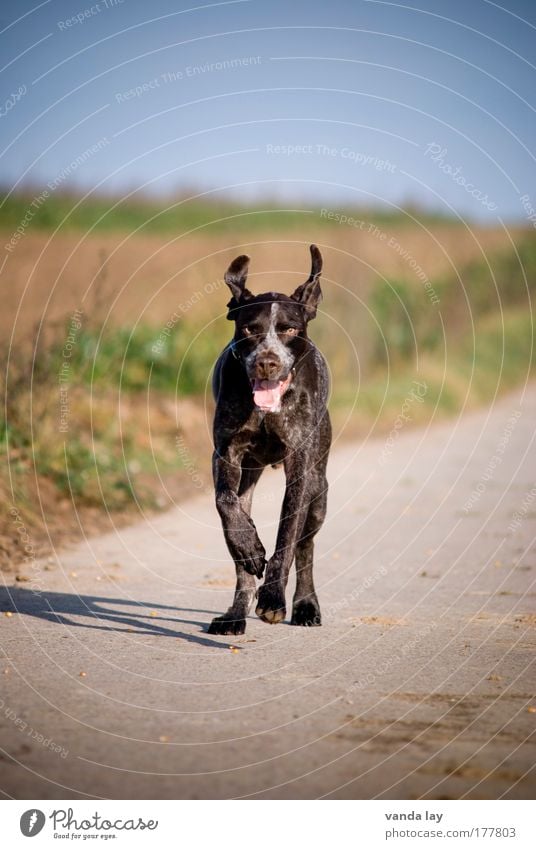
x=100, y=613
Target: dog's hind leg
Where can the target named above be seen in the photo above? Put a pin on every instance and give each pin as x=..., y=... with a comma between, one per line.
x=233, y=620
x=305, y=607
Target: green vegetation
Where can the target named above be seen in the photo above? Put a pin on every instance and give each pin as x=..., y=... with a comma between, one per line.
x=474, y=341
x=100, y=213
x=485, y=288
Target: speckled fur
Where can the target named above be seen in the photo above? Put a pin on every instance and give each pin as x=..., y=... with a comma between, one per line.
x=247, y=439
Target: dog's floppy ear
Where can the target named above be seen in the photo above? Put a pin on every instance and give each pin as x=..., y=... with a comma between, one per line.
x=309, y=294
x=235, y=277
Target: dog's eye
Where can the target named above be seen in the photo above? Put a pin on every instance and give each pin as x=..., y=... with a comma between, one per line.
x=252, y=330
x=288, y=331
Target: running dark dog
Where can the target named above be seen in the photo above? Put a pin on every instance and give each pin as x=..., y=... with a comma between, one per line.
x=271, y=387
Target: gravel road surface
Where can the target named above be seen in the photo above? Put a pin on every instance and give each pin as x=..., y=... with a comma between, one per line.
x=419, y=684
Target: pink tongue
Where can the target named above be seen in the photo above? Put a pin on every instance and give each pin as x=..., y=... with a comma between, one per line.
x=267, y=394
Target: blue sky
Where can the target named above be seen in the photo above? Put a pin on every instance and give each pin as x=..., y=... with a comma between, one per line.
x=365, y=102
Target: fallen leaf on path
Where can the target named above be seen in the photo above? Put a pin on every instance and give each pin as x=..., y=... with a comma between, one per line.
x=217, y=582
x=381, y=620
x=527, y=619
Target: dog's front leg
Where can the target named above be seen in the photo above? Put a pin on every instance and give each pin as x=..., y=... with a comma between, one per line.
x=239, y=530
x=271, y=597
x=233, y=621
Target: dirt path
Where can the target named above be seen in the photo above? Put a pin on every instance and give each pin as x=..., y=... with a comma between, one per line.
x=419, y=683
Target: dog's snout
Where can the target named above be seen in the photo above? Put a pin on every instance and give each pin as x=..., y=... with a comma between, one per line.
x=268, y=367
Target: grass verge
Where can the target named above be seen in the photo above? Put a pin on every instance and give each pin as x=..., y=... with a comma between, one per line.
x=121, y=420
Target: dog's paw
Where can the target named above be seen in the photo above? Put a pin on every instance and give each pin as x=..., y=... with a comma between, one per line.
x=227, y=624
x=306, y=612
x=255, y=564
x=271, y=604
x=247, y=549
